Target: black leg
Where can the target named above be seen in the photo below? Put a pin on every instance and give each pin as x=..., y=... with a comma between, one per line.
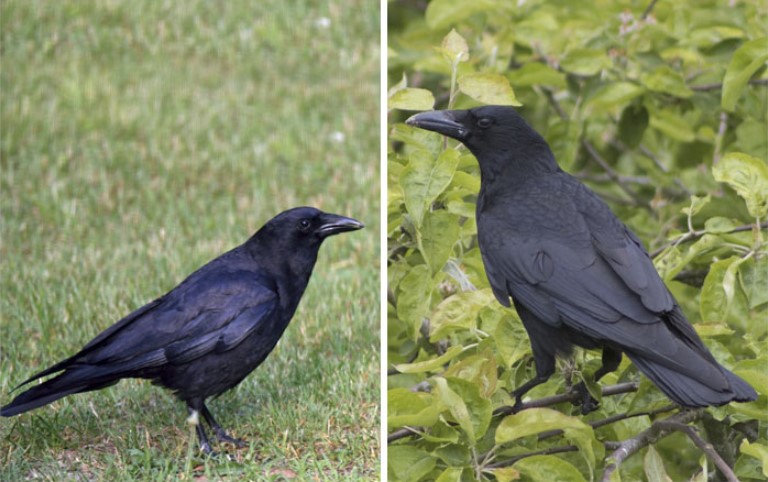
x=611, y=361
x=221, y=434
x=205, y=445
x=545, y=367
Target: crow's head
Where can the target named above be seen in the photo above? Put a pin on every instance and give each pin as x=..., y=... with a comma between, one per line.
x=494, y=134
x=307, y=226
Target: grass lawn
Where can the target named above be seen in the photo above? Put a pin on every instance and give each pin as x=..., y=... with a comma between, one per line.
x=140, y=140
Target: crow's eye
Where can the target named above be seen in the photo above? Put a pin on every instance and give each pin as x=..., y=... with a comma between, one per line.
x=484, y=123
x=304, y=225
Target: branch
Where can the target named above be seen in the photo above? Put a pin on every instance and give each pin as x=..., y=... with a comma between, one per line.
x=613, y=419
x=718, y=86
x=705, y=447
x=565, y=397
x=652, y=434
x=692, y=235
x=648, y=10
x=549, y=451
x=542, y=402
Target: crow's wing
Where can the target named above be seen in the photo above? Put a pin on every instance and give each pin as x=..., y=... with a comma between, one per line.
x=213, y=310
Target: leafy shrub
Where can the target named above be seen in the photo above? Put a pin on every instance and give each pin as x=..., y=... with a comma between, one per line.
x=661, y=109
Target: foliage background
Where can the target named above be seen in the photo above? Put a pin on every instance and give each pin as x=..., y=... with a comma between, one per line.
x=661, y=108
x=141, y=139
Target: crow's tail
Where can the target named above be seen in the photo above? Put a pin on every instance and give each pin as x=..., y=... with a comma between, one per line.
x=690, y=392
x=67, y=383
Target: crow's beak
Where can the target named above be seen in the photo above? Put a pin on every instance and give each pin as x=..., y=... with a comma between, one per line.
x=335, y=224
x=441, y=121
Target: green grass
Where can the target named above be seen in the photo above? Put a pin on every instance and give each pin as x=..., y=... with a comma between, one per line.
x=140, y=140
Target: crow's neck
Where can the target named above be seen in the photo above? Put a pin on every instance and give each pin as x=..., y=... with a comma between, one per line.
x=516, y=165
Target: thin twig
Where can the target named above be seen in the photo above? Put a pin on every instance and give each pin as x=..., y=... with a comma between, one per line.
x=542, y=402
x=693, y=235
x=652, y=434
x=703, y=445
x=549, y=451
x=718, y=85
x=648, y=10
x=565, y=397
x=613, y=419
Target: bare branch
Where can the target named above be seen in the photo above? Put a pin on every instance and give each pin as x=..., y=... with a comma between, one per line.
x=613, y=419
x=565, y=397
x=718, y=86
x=693, y=235
x=549, y=451
x=704, y=446
x=648, y=10
x=652, y=434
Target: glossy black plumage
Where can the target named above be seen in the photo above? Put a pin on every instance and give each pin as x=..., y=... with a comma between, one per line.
x=575, y=273
x=207, y=334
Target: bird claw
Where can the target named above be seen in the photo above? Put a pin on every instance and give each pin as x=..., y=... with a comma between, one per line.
x=223, y=436
x=587, y=401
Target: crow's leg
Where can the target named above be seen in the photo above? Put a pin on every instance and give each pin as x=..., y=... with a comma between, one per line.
x=205, y=445
x=543, y=348
x=545, y=367
x=611, y=361
x=221, y=434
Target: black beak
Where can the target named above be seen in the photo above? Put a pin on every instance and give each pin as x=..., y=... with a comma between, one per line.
x=335, y=224
x=441, y=121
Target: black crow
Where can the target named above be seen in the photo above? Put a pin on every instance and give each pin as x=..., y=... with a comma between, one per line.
x=575, y=273
x=207, y=334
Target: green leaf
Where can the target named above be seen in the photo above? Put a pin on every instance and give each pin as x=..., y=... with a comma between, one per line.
x=433, y=364
x=697, y=202
x=423, y=180
x=748, y=176
x=548, y=468
x=438, y=233
x=458, y=312
x=444, y=13
x=744, y=63
x=632, y=124
x=714, y=293
x=754, y=281
x=451, y=474
x=537, y=74
x=671, y=124
x=616, y=94
x=537, y=420
x=470, y=410
x=654, y=466
x=664, y=79
x=505, y=474
x=511, y=341
x=585, y=62
x=415, y=295
x=481, y=370
x=408, y=464
x=719, y=225
x=758, y=451
x=455, y=48
x=411, y=99
x=413, y=409
x=488, y=89
x=754, y=372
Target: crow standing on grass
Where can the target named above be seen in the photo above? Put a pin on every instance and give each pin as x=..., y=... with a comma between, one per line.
x=575, y=273
x=207, y=334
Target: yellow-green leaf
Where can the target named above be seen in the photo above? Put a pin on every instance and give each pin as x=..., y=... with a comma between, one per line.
x=488, y=89
x=748, y=176
x=744, y=63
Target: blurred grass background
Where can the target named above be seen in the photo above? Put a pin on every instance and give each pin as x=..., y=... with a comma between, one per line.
x=141, y=139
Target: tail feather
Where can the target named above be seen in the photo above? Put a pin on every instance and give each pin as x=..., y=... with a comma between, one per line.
x=68, y=383
x=690, y=392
